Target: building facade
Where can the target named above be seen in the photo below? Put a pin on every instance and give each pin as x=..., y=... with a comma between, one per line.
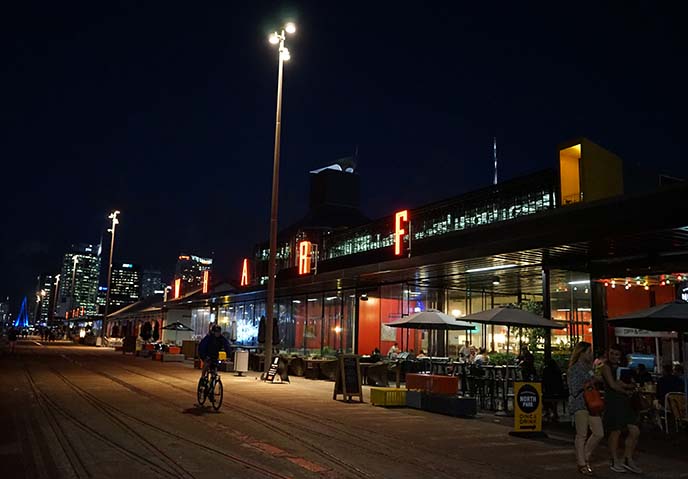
x=189, y=273
x=5, y=313
x=45, y=297
x=151, y=283
x=125, y=285
x=78, y=288
x=570, y=244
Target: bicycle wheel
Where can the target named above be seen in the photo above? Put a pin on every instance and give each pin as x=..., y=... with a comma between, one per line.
x=216, y=393
x=201, y=391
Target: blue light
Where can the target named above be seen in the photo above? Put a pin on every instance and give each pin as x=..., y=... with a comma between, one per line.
x=22, y=320
x=127, y=265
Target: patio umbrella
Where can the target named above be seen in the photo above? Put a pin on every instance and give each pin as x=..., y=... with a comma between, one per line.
x=176, y=327
x=665, y=317
x=512, y=317
x=433, y=320
x=509, y=316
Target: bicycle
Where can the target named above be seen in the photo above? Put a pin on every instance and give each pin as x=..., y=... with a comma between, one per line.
x=210, y=387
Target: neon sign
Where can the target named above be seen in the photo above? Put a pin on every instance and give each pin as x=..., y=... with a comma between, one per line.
x=206, y=275
x=305, y=248
x=399, y=232
x=244, y=273
x=177, y=287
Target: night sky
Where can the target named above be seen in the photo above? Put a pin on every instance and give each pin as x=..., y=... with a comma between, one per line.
x=165, y=111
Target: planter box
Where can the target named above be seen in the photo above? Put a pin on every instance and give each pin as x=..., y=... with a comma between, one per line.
x=168, y=357
x=226, y=367
x=387, y=397
x=452, y=405
x=416, y=399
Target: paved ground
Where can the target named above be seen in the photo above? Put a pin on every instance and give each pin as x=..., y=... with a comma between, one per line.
x=70, y=411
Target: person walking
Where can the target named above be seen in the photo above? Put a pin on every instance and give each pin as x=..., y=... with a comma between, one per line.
x=619, y=415
x=12, y=338
x=580, y=372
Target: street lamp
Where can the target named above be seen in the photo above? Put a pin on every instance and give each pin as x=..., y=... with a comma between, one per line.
x=75, y=260
x=115, y=222
x=52, y=311
x=276, y=39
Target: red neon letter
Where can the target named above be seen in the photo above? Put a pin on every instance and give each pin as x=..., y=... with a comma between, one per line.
x=206, y=274
x=177, y=287
x=399, y=232
x=304, y=257
x=244, y=273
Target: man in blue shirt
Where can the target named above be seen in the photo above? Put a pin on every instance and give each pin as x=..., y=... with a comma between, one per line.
x=210, y=347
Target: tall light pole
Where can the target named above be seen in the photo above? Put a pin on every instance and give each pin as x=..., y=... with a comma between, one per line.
x=75, y=261
x=115, y=222
x=275, y=39
x=54, y=308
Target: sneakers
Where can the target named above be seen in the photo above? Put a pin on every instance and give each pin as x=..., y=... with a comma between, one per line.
x=631, y=466
x=585, y=470
x=617, y=466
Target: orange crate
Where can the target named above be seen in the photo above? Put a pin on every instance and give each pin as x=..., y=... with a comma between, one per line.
x=175, y=350
x=420, y=382
x=157, y=357
x=448, y=385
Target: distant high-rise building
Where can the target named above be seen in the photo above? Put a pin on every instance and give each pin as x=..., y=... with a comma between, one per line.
x=100, y=299
x=190, y=270
x=151, y=283
x=5, y=312
x=45, y=297
x=79, y=280
x=125, y=285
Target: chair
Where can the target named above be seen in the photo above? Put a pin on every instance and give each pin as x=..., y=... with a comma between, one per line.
x=296, y=366
x=424, y=365
x=674, y=404
x=376, y=375
x=328, y=369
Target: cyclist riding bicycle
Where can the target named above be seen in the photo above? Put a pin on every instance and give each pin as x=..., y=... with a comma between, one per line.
x=210, y=347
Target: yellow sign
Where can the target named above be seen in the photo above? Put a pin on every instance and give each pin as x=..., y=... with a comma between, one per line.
x=527, y=407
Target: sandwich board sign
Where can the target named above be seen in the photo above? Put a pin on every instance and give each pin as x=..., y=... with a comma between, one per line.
x=348, y=378
x=527, y=407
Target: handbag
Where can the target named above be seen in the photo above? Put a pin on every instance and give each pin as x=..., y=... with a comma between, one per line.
x=639, y=403
x=593, y=398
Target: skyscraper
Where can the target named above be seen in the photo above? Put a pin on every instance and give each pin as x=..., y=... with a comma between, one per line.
x=125, y=285
x=190, y=270
x=79, y=280
x=151, y=283
x=5, y=312
x=45, y=297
